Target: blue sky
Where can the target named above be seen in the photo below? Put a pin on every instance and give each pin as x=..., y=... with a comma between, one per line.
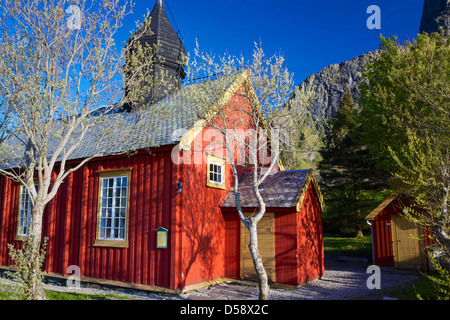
x=310, y=34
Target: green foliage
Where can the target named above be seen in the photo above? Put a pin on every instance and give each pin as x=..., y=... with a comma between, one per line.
x=406, y=107
x=440, y=278
x=28, y=273
x=349, y=179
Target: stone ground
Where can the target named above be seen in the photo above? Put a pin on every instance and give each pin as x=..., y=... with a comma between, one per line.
x=343, y=280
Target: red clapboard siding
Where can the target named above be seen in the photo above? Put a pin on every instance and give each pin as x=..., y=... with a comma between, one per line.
x=4, y=188
x=382, y=233
x=232, y=247
x=202, y=228
x=141, y=262
x=299, y=251
x=9, y=217
x=310, y=239
x=382, y=239
x=286, y=248
x=383, y=251
x=70, y=222
x=3, y=196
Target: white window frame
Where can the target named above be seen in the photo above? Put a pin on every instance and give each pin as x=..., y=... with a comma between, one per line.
x=25, y=218
x=215, y=172
x=216, y=162
x=113, y=208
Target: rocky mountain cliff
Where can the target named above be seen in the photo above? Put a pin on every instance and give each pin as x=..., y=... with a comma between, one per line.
x=331, y=83
x=436, y=13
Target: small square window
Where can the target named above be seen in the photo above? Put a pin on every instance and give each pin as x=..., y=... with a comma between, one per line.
x=215, y=174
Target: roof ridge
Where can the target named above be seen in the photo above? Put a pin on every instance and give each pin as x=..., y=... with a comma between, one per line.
x=279, y=190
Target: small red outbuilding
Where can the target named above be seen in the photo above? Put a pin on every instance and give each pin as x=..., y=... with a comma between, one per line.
x=397, y=242
x=289, y=235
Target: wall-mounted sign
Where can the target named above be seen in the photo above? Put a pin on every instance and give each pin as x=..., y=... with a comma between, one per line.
x=161, y=238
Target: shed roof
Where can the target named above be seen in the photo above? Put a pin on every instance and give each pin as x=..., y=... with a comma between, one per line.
x=381, y=206
x=281, y=189
x=402, y=201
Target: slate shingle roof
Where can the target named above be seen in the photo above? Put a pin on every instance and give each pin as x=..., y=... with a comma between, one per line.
x=178, y=115
x=282, y=189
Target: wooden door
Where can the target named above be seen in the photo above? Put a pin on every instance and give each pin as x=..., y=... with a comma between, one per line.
x=266, y=246
x=407, y=244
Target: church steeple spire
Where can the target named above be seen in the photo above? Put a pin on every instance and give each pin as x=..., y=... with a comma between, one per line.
x=170, y=48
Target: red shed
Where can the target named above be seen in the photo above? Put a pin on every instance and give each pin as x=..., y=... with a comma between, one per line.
x=290, y=234
x=397, y=242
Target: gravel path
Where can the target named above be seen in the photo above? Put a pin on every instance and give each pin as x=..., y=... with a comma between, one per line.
x=346, y=279
x=342, y=280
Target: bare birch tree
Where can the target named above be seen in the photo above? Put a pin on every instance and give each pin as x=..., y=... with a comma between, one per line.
x=252, y=129
x=61, y=81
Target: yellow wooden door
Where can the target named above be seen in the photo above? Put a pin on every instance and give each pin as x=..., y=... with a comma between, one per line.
x=266, y=246
x=408, y=244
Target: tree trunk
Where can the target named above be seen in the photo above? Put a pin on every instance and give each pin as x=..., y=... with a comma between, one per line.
x=36, y=287
x=263, y=280
x=35, y=284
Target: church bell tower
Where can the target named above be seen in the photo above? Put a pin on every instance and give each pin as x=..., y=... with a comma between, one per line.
x=158, y=31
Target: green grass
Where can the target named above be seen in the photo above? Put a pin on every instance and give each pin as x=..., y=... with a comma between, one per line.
x=355, y=247
x=405, y=291
x=56, y=295
x=4, y=295
x=422, y=286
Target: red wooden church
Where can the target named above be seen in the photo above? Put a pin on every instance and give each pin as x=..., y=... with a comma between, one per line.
x=148, y=221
